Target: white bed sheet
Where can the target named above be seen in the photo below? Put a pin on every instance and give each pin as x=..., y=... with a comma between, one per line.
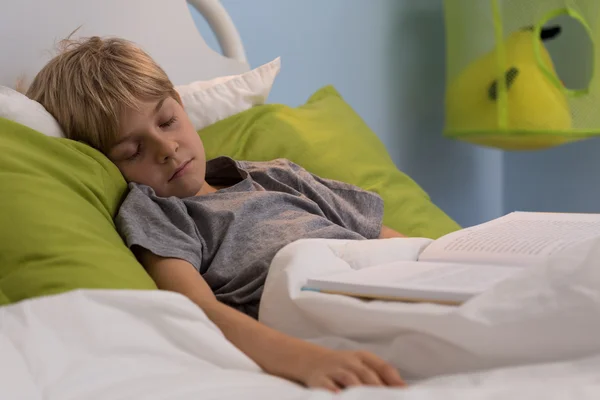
x=157, y=345
x=545, y=314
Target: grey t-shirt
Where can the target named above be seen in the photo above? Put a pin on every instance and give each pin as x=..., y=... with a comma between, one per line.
x=232, y=235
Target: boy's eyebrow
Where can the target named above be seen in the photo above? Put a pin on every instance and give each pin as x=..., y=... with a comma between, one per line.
x=156, y=110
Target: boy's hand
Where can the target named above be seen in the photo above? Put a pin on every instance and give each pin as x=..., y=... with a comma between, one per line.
x=336, y=370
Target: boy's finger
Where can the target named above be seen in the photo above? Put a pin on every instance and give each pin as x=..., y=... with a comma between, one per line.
x=368, y=376
x=391, y=377
x=328, y=384
x=345, y=378
x=388, y=374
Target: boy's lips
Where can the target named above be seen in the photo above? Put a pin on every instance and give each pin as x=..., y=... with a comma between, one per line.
x=179, y=171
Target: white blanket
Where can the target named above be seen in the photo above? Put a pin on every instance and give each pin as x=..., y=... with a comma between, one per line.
x=547, y=313
x=110, y=345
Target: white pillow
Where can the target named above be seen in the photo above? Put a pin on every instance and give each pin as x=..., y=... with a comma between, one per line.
x=17, y=107
x=206, y=102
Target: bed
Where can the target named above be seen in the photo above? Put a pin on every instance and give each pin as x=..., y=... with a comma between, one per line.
x=80, y=319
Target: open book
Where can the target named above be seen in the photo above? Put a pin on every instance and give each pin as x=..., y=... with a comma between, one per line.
x=465, y=263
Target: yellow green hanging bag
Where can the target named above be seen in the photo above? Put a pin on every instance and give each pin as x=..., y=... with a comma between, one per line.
x=503, y=90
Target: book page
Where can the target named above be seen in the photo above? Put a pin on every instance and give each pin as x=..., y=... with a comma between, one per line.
x=519, y=238
x=469, y=278
x=415, y=281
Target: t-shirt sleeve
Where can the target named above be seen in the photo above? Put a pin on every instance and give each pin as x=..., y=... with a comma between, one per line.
x=159, y=225
x=346, y=205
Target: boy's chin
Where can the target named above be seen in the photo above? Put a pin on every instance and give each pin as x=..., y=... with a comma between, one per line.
x=183, y=190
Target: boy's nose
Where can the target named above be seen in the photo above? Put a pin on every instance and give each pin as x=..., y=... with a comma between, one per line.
x=166, y=150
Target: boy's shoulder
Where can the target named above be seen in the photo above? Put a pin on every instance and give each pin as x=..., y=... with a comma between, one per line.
x=263, y=163
x=279, y=170
x=142, y=199
x=281, y=164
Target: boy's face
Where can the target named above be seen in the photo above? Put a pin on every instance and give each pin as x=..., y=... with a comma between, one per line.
x=158, y=147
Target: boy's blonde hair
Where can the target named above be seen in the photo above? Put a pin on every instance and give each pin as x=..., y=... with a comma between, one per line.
x=89, y=84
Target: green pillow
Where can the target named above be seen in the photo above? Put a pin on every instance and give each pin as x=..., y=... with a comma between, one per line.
x=56, y=218
x=329, y=139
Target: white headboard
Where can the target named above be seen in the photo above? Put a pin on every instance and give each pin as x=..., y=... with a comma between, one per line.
x=30, y=30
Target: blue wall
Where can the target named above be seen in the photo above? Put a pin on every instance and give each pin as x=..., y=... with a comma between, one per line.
x=386, y=57
x=563, y=179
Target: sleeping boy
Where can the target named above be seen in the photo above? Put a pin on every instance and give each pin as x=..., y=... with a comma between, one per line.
x=207, y=229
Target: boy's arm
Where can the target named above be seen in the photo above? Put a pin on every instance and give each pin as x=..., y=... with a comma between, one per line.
x=387, y=233
x=275, y=352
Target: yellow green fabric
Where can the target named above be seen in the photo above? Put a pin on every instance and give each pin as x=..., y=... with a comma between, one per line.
x=328, y=138
x=57, y=203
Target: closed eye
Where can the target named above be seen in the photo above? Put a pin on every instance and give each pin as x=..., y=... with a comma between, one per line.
x=168, y=123
x=138, y=151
